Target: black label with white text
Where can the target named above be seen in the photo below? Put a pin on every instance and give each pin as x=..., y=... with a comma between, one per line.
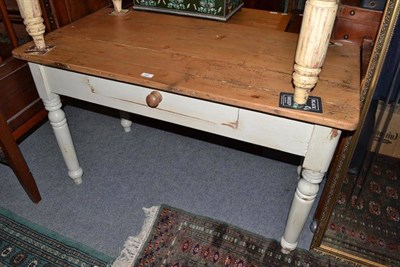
x=314, y=103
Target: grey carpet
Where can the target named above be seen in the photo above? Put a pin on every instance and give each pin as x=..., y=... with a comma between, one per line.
x=155, y=163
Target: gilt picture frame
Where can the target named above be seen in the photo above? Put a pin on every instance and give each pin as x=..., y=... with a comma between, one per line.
x=349, y=141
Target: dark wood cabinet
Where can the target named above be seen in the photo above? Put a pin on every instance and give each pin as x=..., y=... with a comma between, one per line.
x=58, y=13
x=274, y=5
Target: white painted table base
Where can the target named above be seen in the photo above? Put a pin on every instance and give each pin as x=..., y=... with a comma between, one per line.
x=315, y=143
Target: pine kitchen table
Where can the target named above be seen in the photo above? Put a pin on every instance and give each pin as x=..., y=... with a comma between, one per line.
x=222, y=78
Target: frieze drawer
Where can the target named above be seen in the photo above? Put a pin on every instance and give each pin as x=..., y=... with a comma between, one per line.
x=183, y=110
x=250, y=126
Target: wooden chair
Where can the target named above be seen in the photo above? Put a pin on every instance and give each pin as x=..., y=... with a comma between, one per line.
x=20, y=109
x=11, y=155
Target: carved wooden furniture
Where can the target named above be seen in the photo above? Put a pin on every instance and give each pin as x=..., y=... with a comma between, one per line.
x=359, y=26
x=223, y=78
x=354, y=24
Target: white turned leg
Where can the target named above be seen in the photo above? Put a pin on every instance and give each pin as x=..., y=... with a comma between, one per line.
x=117, y=5
x=316, y=162
x=118, y=8
x=63, y=136
x=32, y=15
x=126, y=123
x=306, y=192
x=317, y=24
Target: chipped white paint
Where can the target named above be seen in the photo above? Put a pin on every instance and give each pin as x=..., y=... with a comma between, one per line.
x=321, y=148
x=32, y=15
x=58, y=122
x=316, y=162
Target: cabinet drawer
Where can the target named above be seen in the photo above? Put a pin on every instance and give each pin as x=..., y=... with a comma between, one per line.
x=184, y=110
x=170, y=103
x=354, y=24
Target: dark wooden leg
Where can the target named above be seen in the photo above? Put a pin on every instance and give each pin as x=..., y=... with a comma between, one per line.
x=17, y=162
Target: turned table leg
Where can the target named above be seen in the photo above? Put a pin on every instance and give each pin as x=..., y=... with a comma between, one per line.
x=317, y=24
x=58, y=121
x=32, y=15
x=118, y=8
x=61, y=131
x=126, y=123
x=117, y=5
x=316, y=163
x=306, y=192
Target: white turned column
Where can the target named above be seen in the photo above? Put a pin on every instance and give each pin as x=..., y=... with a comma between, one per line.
x=316, y=162
x=317, y=24
x=32, y=15
x=306, y=192
x=126, y=123
x=63, y=136
x=117, y=5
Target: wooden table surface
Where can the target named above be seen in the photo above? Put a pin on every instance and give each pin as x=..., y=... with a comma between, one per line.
x=246, y=62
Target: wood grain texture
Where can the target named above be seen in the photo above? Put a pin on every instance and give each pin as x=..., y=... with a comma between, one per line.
x=236, y=63
x=261, y=18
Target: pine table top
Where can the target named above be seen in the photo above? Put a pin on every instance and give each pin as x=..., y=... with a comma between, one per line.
x=245, y=62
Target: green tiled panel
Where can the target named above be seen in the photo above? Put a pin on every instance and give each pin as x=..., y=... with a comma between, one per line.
x=212, y=9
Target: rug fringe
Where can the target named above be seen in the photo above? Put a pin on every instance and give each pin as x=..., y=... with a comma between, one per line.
x=133, y=245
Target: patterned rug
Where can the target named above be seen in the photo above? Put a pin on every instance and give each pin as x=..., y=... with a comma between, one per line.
x=366, y=217
x=174, y=238
x=23, y=243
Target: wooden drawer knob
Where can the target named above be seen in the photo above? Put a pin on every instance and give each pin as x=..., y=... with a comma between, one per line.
x=153, y=99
